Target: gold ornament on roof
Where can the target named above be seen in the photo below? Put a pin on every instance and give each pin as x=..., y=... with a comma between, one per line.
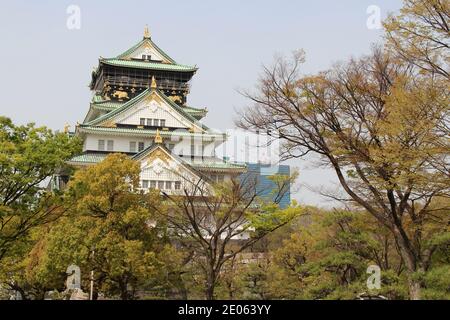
x=158, y=138
x=120, y=95
x=157, y=155
x=153, y=84
x=146, y=32
x=66, y=128
x=176, y=99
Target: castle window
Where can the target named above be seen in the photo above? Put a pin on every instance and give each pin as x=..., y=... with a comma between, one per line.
x=145, y=184
x=156, y=122
x=141, y=146
x=132, y=146
x=101, y=145
x=153, y=184
x=160, y=185
x=162, y=122
x=168, y=185
x=110, y=145
x=177, y=185
x=217, y=178
x=142, y=121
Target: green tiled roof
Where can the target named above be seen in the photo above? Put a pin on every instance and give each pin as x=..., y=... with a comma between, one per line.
x=100, y=103
x=213, y=163
x=148, y=65
x=104, y=107
x=107, y=106
x=88, y=158
x=199, y=164
x=194, y=110
x=144, y=132
x=99, y=99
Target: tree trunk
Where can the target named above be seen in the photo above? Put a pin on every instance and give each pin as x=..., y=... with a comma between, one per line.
x=40, y=295
x=415, y=288
x=210, y=291
x=210, y=285
x=412, y=265
x=124, y=295
x=123, y=291
x=182, y=291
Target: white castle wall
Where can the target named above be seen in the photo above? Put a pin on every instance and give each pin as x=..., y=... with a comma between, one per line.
x=122, y=144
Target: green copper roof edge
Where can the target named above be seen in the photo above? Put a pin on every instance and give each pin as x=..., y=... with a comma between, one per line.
x=194, y=110
x=181, y=111
x=110, y=107
x=92, y=158
x=123, y=107
x=105, y=106
x=98, y=103
x=117, y=130
x=87, y=158
x=148, y=65
x=161, y=51
x=225, y=165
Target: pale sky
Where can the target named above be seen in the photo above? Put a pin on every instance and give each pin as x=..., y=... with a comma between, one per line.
x=46, y=67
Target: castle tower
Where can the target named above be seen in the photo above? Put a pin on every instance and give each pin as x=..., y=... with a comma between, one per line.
x=139, y=107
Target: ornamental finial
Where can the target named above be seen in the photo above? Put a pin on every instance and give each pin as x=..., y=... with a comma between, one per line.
x=146, y=32
x=153, y=84
x=66, y=128
x=158, y=138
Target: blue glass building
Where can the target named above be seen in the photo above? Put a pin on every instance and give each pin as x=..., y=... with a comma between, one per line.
x=265, y=187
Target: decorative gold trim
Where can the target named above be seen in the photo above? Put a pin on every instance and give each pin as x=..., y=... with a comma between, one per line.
x=109, y=124
x=157, y=154
x=146, y=32
x=153, y=84
x=154, y=97
x=176, y=99
x=120, y=95
x=158, y=138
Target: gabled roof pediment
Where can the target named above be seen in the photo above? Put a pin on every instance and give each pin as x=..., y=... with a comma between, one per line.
x=150, y=104
x=157, y=160
x=146, y=47
x=145, y=55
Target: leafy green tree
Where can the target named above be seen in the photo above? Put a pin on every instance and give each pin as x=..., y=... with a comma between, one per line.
x=382, y=127
x=121, y=240
x=218, y=223
x=420, y=35
x=327, y=255
x=28, y=157
x=328, y=259
x=108, y=229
